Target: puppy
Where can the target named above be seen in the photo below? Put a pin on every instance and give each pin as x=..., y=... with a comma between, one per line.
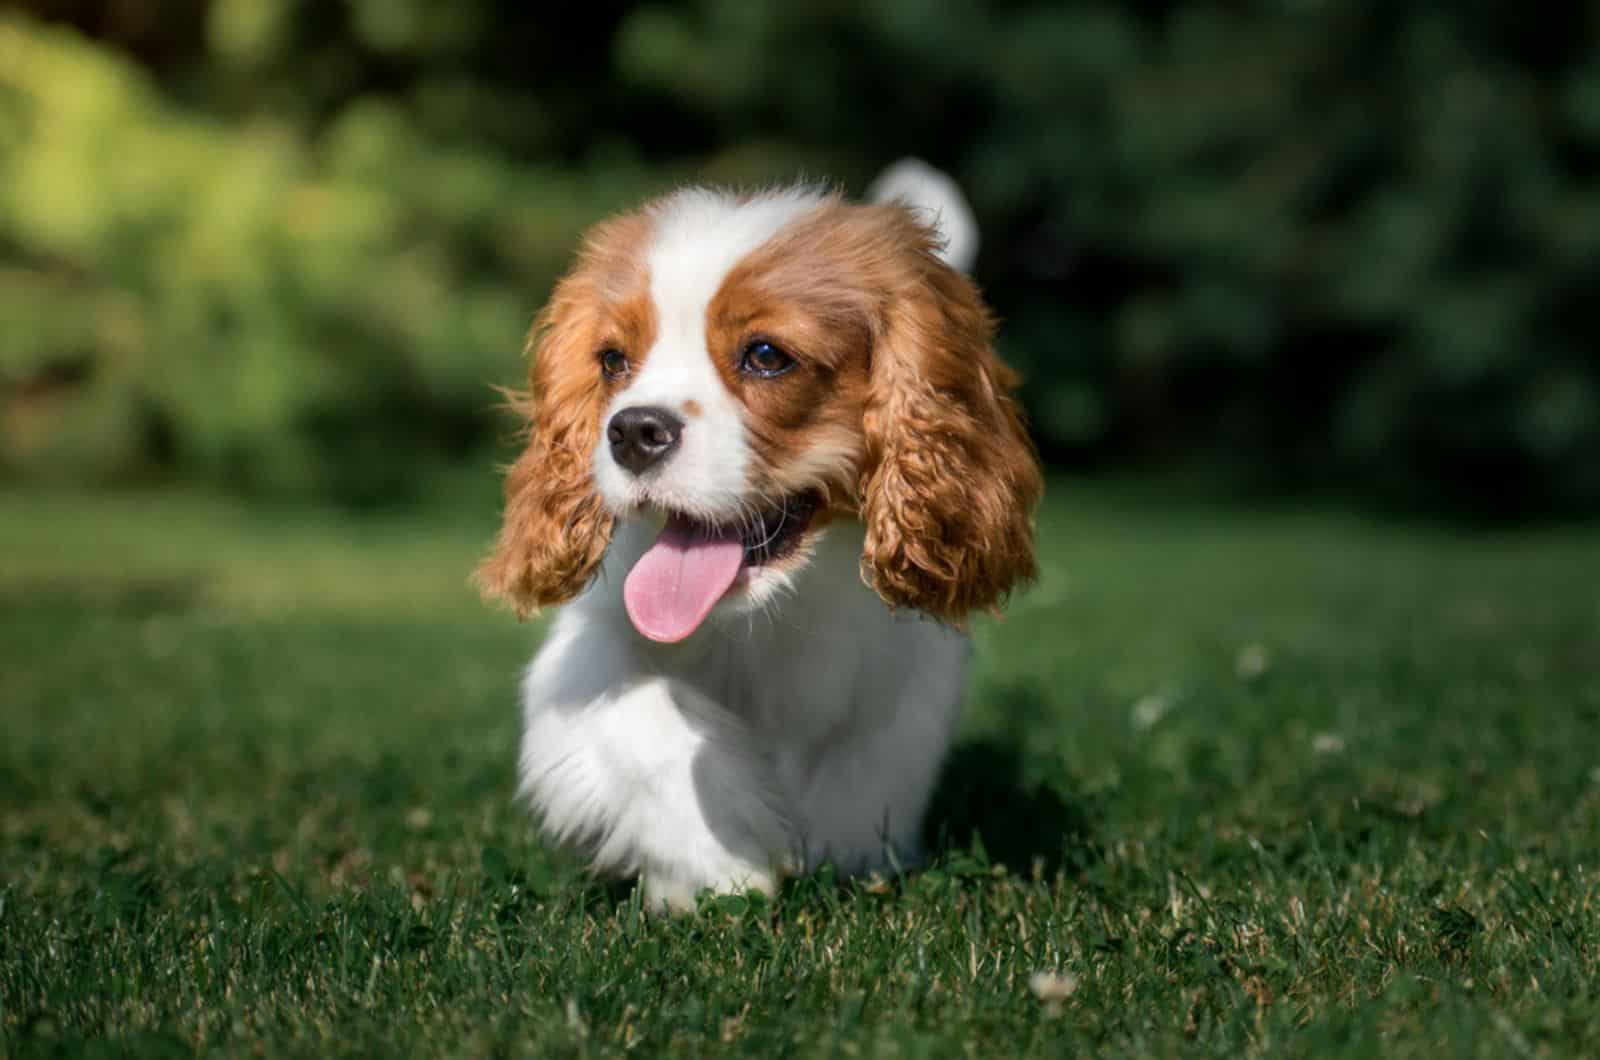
x=773, y=462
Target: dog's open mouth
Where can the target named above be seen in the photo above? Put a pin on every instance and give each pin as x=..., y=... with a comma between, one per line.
x=693, y=564
x=778, y=530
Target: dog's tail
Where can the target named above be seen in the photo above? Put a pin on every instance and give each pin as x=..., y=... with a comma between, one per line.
x=937, y=197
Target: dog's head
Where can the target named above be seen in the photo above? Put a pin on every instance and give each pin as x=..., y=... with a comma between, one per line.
x=745, y=370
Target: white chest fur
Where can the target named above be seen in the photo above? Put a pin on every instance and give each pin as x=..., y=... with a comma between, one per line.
x=769, y=742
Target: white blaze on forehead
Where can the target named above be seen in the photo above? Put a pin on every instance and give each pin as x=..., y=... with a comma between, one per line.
x=699, y=236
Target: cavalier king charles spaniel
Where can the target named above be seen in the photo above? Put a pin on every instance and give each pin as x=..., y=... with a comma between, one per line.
x=773, y=463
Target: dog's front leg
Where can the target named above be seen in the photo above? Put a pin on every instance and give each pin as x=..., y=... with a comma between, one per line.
x=647, y=776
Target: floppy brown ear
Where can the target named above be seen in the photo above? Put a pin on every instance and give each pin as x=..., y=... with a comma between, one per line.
x=951, y=480
x=554, y=530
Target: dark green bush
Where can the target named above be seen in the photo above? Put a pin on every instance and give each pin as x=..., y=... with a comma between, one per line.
x=1307, y=243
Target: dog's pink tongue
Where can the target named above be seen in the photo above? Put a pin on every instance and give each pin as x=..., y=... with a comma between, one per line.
x=679, y=580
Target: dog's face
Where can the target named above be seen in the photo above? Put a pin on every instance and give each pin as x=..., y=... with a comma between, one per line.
x=742, y=371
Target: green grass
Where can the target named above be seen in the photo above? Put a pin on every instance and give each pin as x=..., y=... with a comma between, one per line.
x=1269, y=782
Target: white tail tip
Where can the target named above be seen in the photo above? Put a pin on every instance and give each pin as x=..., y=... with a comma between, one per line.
x=938, y=197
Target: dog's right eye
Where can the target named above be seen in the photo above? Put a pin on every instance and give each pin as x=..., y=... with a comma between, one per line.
x=613, y=364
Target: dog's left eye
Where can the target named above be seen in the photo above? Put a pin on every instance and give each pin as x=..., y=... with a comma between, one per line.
x=764, y=360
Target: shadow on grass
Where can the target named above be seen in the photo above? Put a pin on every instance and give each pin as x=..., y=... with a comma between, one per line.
x=985, y=803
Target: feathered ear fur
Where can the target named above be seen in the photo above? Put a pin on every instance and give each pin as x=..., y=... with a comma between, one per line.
x=951, y=480
x=555, y=530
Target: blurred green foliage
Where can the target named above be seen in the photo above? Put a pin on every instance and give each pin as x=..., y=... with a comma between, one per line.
x=288, y=243
x=273, y=303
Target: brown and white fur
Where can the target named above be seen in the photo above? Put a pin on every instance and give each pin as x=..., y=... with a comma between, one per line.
x=834, y=405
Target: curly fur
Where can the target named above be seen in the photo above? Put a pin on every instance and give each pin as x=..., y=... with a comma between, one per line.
x=555, y=529
x=951, y=478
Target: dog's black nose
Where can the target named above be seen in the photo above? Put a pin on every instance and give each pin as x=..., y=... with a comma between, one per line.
x=641, y=437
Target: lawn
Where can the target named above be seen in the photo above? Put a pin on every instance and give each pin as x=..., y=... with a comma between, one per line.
x=1286, y=782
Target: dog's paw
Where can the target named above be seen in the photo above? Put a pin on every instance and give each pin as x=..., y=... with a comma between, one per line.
x=675, y=896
